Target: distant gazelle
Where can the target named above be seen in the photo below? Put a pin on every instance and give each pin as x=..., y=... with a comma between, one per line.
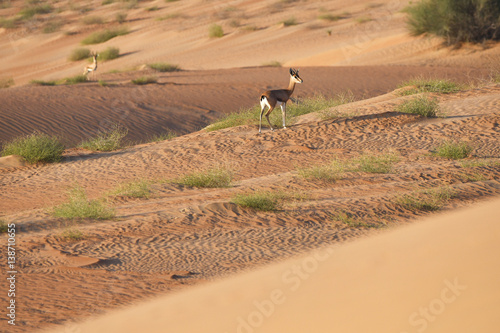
x=272, y=98
x=91, y=68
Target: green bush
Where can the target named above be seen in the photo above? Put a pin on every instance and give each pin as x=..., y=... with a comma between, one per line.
x=36, y=147
x=104, y=35
x=79, y=206
x=454, y=150
x=79, y=54
x=215, y=31
x=420, y=105
x=217, y=176
x=430, y=85
x=164, y=67
x=109, y=54
x=456, y=20
x=106, y=140
x=145, y=80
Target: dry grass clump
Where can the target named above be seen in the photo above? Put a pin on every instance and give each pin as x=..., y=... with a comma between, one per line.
x=109, y=54
x=104, y=35
x=107, y=140
x=215, y=31
x=145, y=80
x=79, y=54
x=422, y=85
x=213, y=177
x=6, y=82
x=79, y=207
x=265, y=200
x=135, y=189
x=420, y=105
x=164, y=67
x=426, y=200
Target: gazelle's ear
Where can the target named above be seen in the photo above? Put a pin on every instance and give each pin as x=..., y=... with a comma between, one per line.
x=291, y=71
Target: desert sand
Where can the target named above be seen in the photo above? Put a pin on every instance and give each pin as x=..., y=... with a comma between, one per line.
x=197, y=241
x=437, y=275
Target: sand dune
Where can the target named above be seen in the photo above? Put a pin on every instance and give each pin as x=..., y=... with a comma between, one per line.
x=438, y=275
x=180, y=237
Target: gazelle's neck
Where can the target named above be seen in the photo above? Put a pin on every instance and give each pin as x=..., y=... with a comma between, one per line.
x=291, y=86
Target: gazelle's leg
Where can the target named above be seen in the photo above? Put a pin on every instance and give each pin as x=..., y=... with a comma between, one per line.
x=262, y=107
x=283, y=113
x=271, y=108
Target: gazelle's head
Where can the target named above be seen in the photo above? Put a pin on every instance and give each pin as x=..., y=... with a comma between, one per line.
x=294, y=73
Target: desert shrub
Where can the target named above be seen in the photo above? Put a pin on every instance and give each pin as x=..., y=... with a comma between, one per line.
x=162, y=136
x=289, y=22
x=7, y=23
x=6, y=82
x=91, y=20
x=329, y=17
x=329, y=172
x=376, y=163
x=213, y=177
x=79, y=54
x=71, y=235
x=215, y=31
x=164, y=67
x=430, y=85
x=35, y=147
x=121, y=17
x=109, y=54
x=420, y=105
x=106, y=140
x=135, y=189
x=456, y=20
x=453, y=149
x=104, y=35
x=75, y=79
x=79, y=206
x=266, y=200
x=31, y=10
x=52, y=26
x=145, y=80
x=426, y=200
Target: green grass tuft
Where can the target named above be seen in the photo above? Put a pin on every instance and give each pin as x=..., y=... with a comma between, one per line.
x=107, y=140
x=162, y=136
x=134, y=189
x=164, y=67
x=265, y=200
x=75, y=79
x=72, y=235
x=79, y=206
x=289, y=22
x=421, y=85
x=109, y=54
x=376, y=163
x=36, y=147
x=330, y=172
x=426, y=200
x=214, y=177
x=420, y=105
x=215, y=31
x=145, y=80
x=104, y=35
x=79, y=54
x=43, y=83
x=454, y=150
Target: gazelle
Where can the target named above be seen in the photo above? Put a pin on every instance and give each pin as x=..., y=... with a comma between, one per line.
x=93, y=67
x=272, y=98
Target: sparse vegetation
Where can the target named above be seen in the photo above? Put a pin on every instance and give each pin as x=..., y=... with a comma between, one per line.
x=420, y=105
x=289, y=22
x=475, y=163
x=75, y=79
x=363, y=19
x=164, y=67
x=72, y=235
x=109, y=54
x=3, y=227
x=250, y=116
x=162, y=136
x=145, y=80
x=92, y=20
x=335, y=170
x=453, y=149
x=329, y=17
x=265, y=200
x=213, y=177
x=6, y=82
x=34, y=9
x=52, y=26
x=353, y=222
x=107, y=140
x=426, y=200
x=457, y=21
x=215, y=31
x=104, y=35
x=135, y=189
x=79, y=207
x=274, y=63
x=35, y=147
x=121, y=17
x=422, y=85
x=7, y=23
